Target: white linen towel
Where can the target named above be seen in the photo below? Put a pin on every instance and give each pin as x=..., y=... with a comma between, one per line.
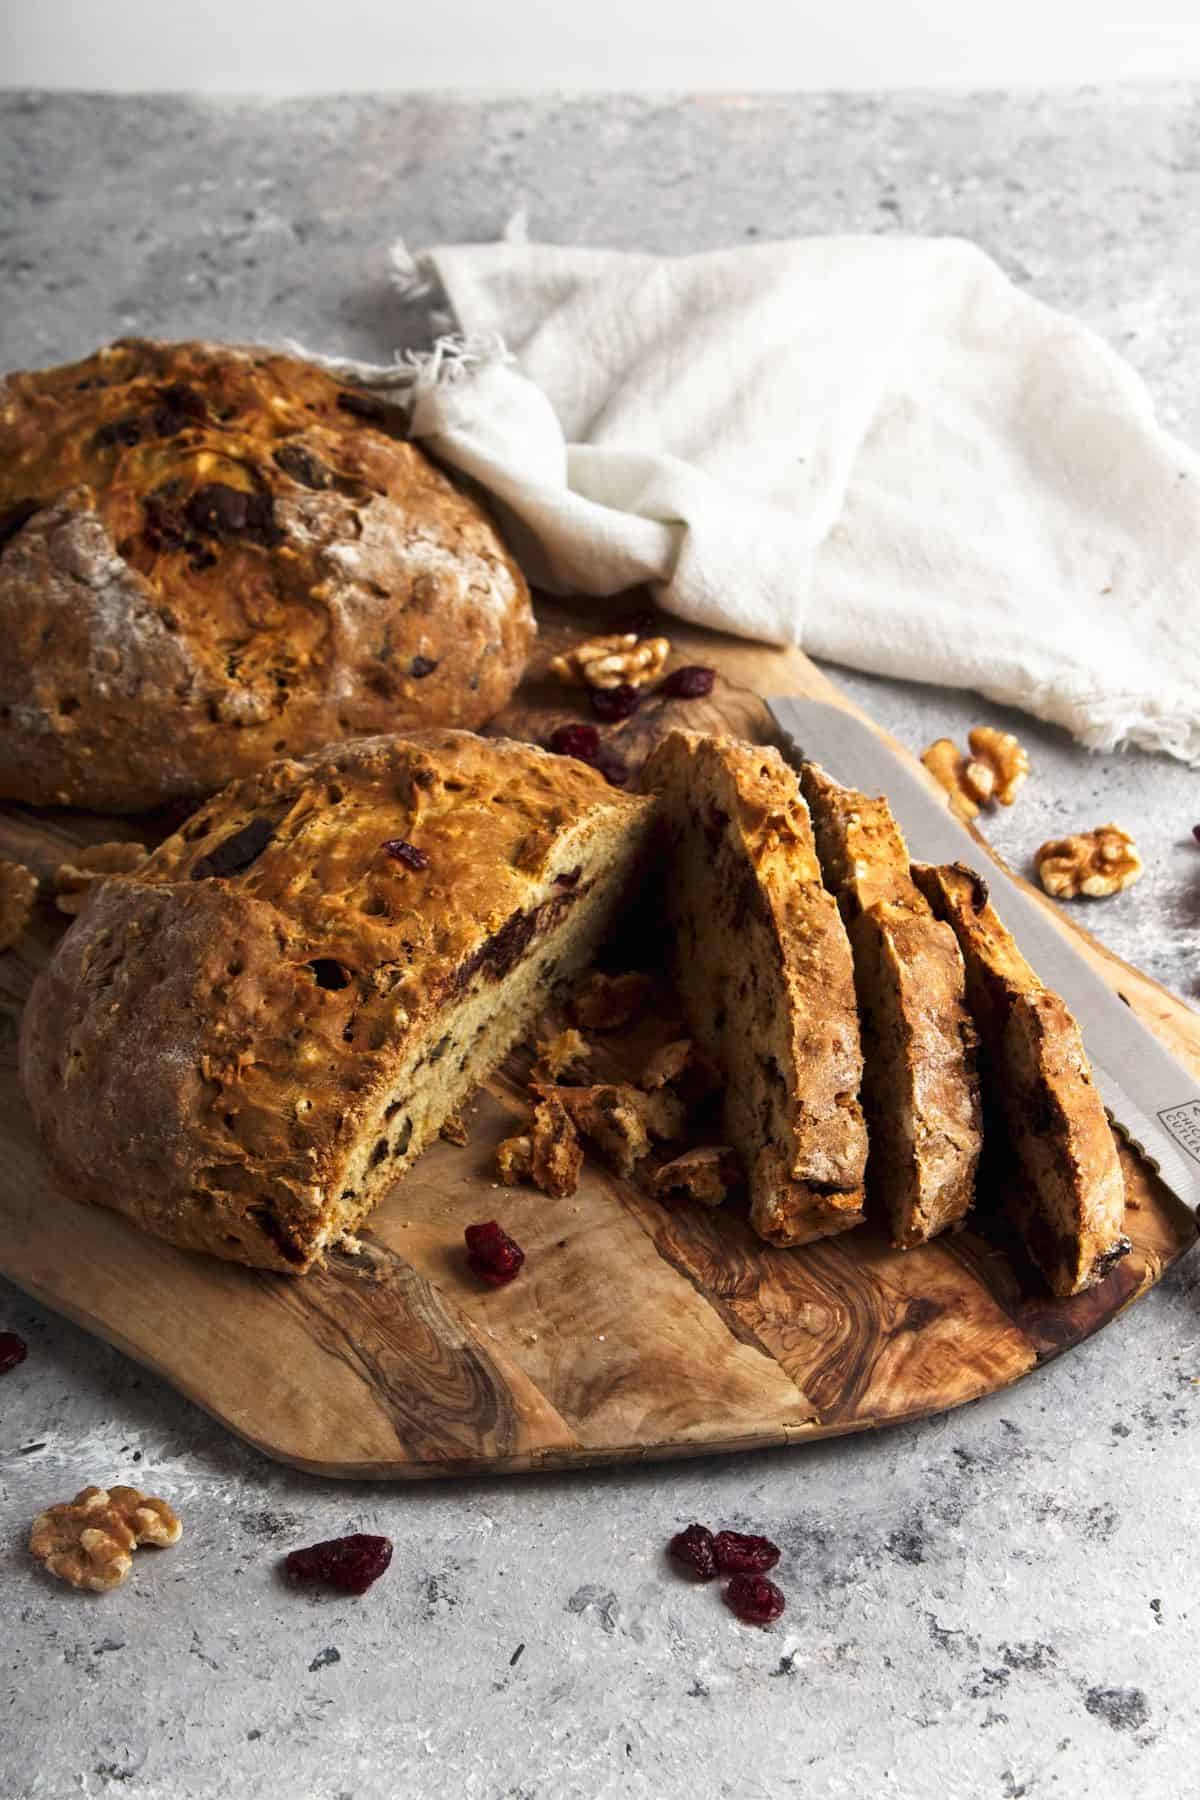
x=875, y=447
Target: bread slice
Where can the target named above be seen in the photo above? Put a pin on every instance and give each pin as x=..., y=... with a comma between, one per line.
x=921, y=1088
x=310, y=976
x=764, y=975
x=1069, y=1205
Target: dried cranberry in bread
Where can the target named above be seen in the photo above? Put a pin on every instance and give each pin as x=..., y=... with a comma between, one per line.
x=764, y=973
x=241, y=1043
x=921, y=1086
x=210, y=557
x=1069, y=1205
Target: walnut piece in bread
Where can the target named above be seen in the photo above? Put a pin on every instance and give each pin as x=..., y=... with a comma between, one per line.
x=921, y=1089
x=764, y=974
x=1069, y=1205
x=212, y=556
x=304, y=1006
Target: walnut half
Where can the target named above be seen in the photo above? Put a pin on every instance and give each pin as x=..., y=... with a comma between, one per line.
x=620, y=659
x=89, y=1541
x=1096, y=863
x=995, y=769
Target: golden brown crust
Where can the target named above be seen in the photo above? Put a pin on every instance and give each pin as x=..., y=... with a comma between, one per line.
x=306, y=943
x=765, y=974
x=210, y=556
x=921, y=1088
x=1070, y=1203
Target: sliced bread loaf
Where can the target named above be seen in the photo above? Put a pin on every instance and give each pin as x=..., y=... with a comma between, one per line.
x=244, y=1042
x=1069, y=1203
x=920, y=1088
x=764, y=974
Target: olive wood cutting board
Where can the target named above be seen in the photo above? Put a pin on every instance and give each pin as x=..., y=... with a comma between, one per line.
x=635, y=1329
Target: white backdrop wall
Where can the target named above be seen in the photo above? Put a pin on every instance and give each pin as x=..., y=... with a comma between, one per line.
x=299, y=46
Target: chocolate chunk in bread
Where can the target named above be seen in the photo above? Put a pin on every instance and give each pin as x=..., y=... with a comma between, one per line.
x=764, y=973
x=1068, y=1202
x=921, y=1087
x=303, y=1010
x=210, y=557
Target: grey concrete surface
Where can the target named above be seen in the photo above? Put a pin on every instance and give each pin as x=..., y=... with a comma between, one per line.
x=1000, y=1602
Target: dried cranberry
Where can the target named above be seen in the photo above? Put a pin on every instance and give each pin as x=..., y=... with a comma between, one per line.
x=350, y=1564
x=690, y=683
x=298, y=461
x=12, y=1351
x=421, y=666
x=755, y=1599
x=401, y=851
x=579, y=741
x=220, y=511
x=738, y=1554
x=126, y=432
x=492, y=1253
x=612, y=704
x=1196, y=833
x=693, y=1550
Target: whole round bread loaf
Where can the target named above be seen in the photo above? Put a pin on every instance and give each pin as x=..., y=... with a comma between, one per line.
x=210, y=557
x=242, y=1043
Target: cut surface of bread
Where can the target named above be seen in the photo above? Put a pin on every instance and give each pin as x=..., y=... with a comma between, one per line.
x=764, y=974
x=921, y=1086
x=242, y=1043
x=1069, y=1204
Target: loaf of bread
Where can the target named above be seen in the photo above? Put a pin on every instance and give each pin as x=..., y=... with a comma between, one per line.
x=244, y=1041
x=210, y=557
x=921, y=1087
x=1068, y=1200
x=764, y=974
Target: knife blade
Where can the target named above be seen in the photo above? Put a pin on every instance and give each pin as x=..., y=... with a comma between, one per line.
x=1151, y=1098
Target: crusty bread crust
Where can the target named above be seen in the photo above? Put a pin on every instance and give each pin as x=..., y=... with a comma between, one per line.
x=243, y=1042
x=212, y=556
x=764, y=972
x=1070, y=1203
x=921, y=1087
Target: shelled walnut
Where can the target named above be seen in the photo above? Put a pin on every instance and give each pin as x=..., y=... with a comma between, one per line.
x=619, y=659
x=1095, y=863
x=1007, y=758
x=89, y=1541
x=994, y=770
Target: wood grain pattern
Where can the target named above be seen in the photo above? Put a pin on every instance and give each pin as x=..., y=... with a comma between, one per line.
x=636, y=1330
